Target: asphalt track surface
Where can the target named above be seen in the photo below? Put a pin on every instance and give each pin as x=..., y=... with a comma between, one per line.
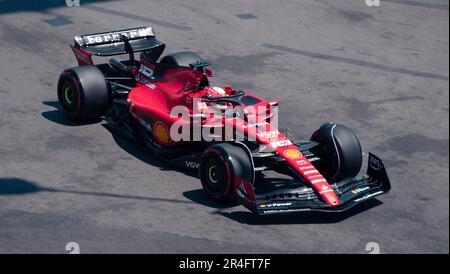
x=383, y=71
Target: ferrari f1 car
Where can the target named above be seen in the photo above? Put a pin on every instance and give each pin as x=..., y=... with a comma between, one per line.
x=136, y=99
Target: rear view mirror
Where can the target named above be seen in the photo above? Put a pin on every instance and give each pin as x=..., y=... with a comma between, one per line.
x=208, y=73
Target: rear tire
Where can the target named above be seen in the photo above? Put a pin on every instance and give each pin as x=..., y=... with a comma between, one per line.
x=221, y=164
x=83, y=93
x=181, y=59
x=339, y=151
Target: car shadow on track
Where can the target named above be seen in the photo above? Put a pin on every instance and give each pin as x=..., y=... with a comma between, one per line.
x=17, y=186
x=301, y=217
x=198, y=196
x=57, y=116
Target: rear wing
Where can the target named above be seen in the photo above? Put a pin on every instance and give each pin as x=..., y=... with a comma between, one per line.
x=109, y=43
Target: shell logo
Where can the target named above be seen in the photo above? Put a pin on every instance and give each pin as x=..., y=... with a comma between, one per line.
x=292, y=153
x=161, y=133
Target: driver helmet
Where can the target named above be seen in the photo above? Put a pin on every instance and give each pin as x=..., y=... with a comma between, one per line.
x=215, y=92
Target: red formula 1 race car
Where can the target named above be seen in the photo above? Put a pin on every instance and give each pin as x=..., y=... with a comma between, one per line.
x=231, y=151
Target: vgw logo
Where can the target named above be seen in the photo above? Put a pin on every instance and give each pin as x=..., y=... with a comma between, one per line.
x=73, y=3
x=191, y=164
x=373, y=3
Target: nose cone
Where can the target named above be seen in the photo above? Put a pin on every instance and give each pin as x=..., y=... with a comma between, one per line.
x=331, y=198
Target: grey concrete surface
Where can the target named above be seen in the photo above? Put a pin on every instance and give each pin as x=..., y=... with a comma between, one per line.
x=383, y=71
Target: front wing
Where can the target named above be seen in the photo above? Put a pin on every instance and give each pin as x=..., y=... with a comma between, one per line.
x=350, y=192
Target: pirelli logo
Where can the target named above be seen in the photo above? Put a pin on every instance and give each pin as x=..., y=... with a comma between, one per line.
x=110, y=37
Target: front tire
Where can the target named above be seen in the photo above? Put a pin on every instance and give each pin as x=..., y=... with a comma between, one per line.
x=220, y=166
x=339, y=151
